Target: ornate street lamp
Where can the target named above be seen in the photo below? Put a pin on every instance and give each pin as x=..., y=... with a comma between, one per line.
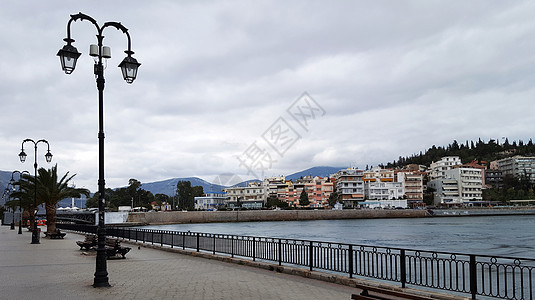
x=7, y=194
x=68, y=56
x=48, y=157
x=13, y=183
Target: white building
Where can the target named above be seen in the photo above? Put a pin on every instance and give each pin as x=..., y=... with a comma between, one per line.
x=518, y=166
x=212, y=201
x=459, y=186
x=252, y=196
x=350, y=186
x=388, y=204
x=413, y=186
x=379, y=190
x=439, y=168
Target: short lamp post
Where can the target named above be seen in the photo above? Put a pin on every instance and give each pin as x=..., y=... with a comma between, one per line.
x=13, y=183
x=68, y=56
x=48, y=157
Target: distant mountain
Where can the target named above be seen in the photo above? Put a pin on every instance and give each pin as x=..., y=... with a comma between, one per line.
x=168, y=187
x=315, y=171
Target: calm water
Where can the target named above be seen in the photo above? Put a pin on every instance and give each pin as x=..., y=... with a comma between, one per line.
x=495, y=235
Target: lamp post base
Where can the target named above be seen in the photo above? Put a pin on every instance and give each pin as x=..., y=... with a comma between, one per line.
x=36, y=234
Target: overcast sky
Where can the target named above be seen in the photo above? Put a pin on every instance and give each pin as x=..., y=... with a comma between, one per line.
x=263, y=88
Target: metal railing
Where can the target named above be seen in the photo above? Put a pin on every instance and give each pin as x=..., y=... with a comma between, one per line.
x=491, y=276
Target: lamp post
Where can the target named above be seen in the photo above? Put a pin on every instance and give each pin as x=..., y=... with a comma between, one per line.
x=68, y=56
x=7, y=194
x=48, y=157
x=13, y=183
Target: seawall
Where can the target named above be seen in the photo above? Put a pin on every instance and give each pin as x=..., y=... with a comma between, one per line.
x=178, y=217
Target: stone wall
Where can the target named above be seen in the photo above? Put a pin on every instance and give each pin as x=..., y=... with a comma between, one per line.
x=174, y=217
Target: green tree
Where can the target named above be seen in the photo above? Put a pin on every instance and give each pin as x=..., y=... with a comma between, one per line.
x=50, y=190
x=333, y=198
x=303, y=199
x=184, y=191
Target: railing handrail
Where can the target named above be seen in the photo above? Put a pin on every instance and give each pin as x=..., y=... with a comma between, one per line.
x=337, y=243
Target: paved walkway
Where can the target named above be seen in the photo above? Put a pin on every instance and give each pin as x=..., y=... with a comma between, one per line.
x=57, y=269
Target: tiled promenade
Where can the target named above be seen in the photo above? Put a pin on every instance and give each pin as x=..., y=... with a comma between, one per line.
x=57, y=269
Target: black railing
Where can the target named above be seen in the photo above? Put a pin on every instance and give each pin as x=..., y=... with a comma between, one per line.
x=492, y=276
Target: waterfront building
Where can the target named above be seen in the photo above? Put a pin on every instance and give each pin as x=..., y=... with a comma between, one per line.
x=211, y=201
x=459, y=186
x=378, y=175
x=252, y=196
x=276, y=187
x=350, y=186
x=438, y=169
x=518, y=166
x=413, y=186
x=494, y=178
x=378, y=190
x=385, y=204
x=317, y=188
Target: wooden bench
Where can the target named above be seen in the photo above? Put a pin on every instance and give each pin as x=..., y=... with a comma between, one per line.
x=383, y=293
x=55, y=235
x=89, y=242
x=113, y=247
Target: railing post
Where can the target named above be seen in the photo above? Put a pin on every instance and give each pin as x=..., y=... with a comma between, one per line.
x=280, y=252
x=172, y=239
x=152, y=237
x=214, y=245
x=403, y=267
x=183, y=240
x=350, y=253
x=473, y=276
x=254, y=249
x=161, y=238
x=232, y=246
x=197, y=242
x=310, y=256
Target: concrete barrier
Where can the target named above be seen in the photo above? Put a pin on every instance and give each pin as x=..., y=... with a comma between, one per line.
x=180, y=217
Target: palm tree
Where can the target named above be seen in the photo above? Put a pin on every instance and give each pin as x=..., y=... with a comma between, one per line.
x=50, y=191
x=25, y=194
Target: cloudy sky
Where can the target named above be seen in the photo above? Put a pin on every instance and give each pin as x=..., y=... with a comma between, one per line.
x=262, y=88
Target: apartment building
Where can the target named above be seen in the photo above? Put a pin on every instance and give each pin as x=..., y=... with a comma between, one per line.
x=459, y=186
x=378, y=175
x=252, y=196
x=413, y=186
x=350, y=186
x=518, y=166
x=438, y=169
x=317, y=188
x=211, y=201
x=379, y=190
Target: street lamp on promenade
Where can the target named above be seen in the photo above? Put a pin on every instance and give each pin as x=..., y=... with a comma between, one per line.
x=48, y=157
x=13, y=183
x=68, y=56
x=7, y=194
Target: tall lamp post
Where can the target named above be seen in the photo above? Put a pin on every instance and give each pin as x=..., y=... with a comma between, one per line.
x=68, y=56
x=7, y=194
x=48, y=157
x=13, y=183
